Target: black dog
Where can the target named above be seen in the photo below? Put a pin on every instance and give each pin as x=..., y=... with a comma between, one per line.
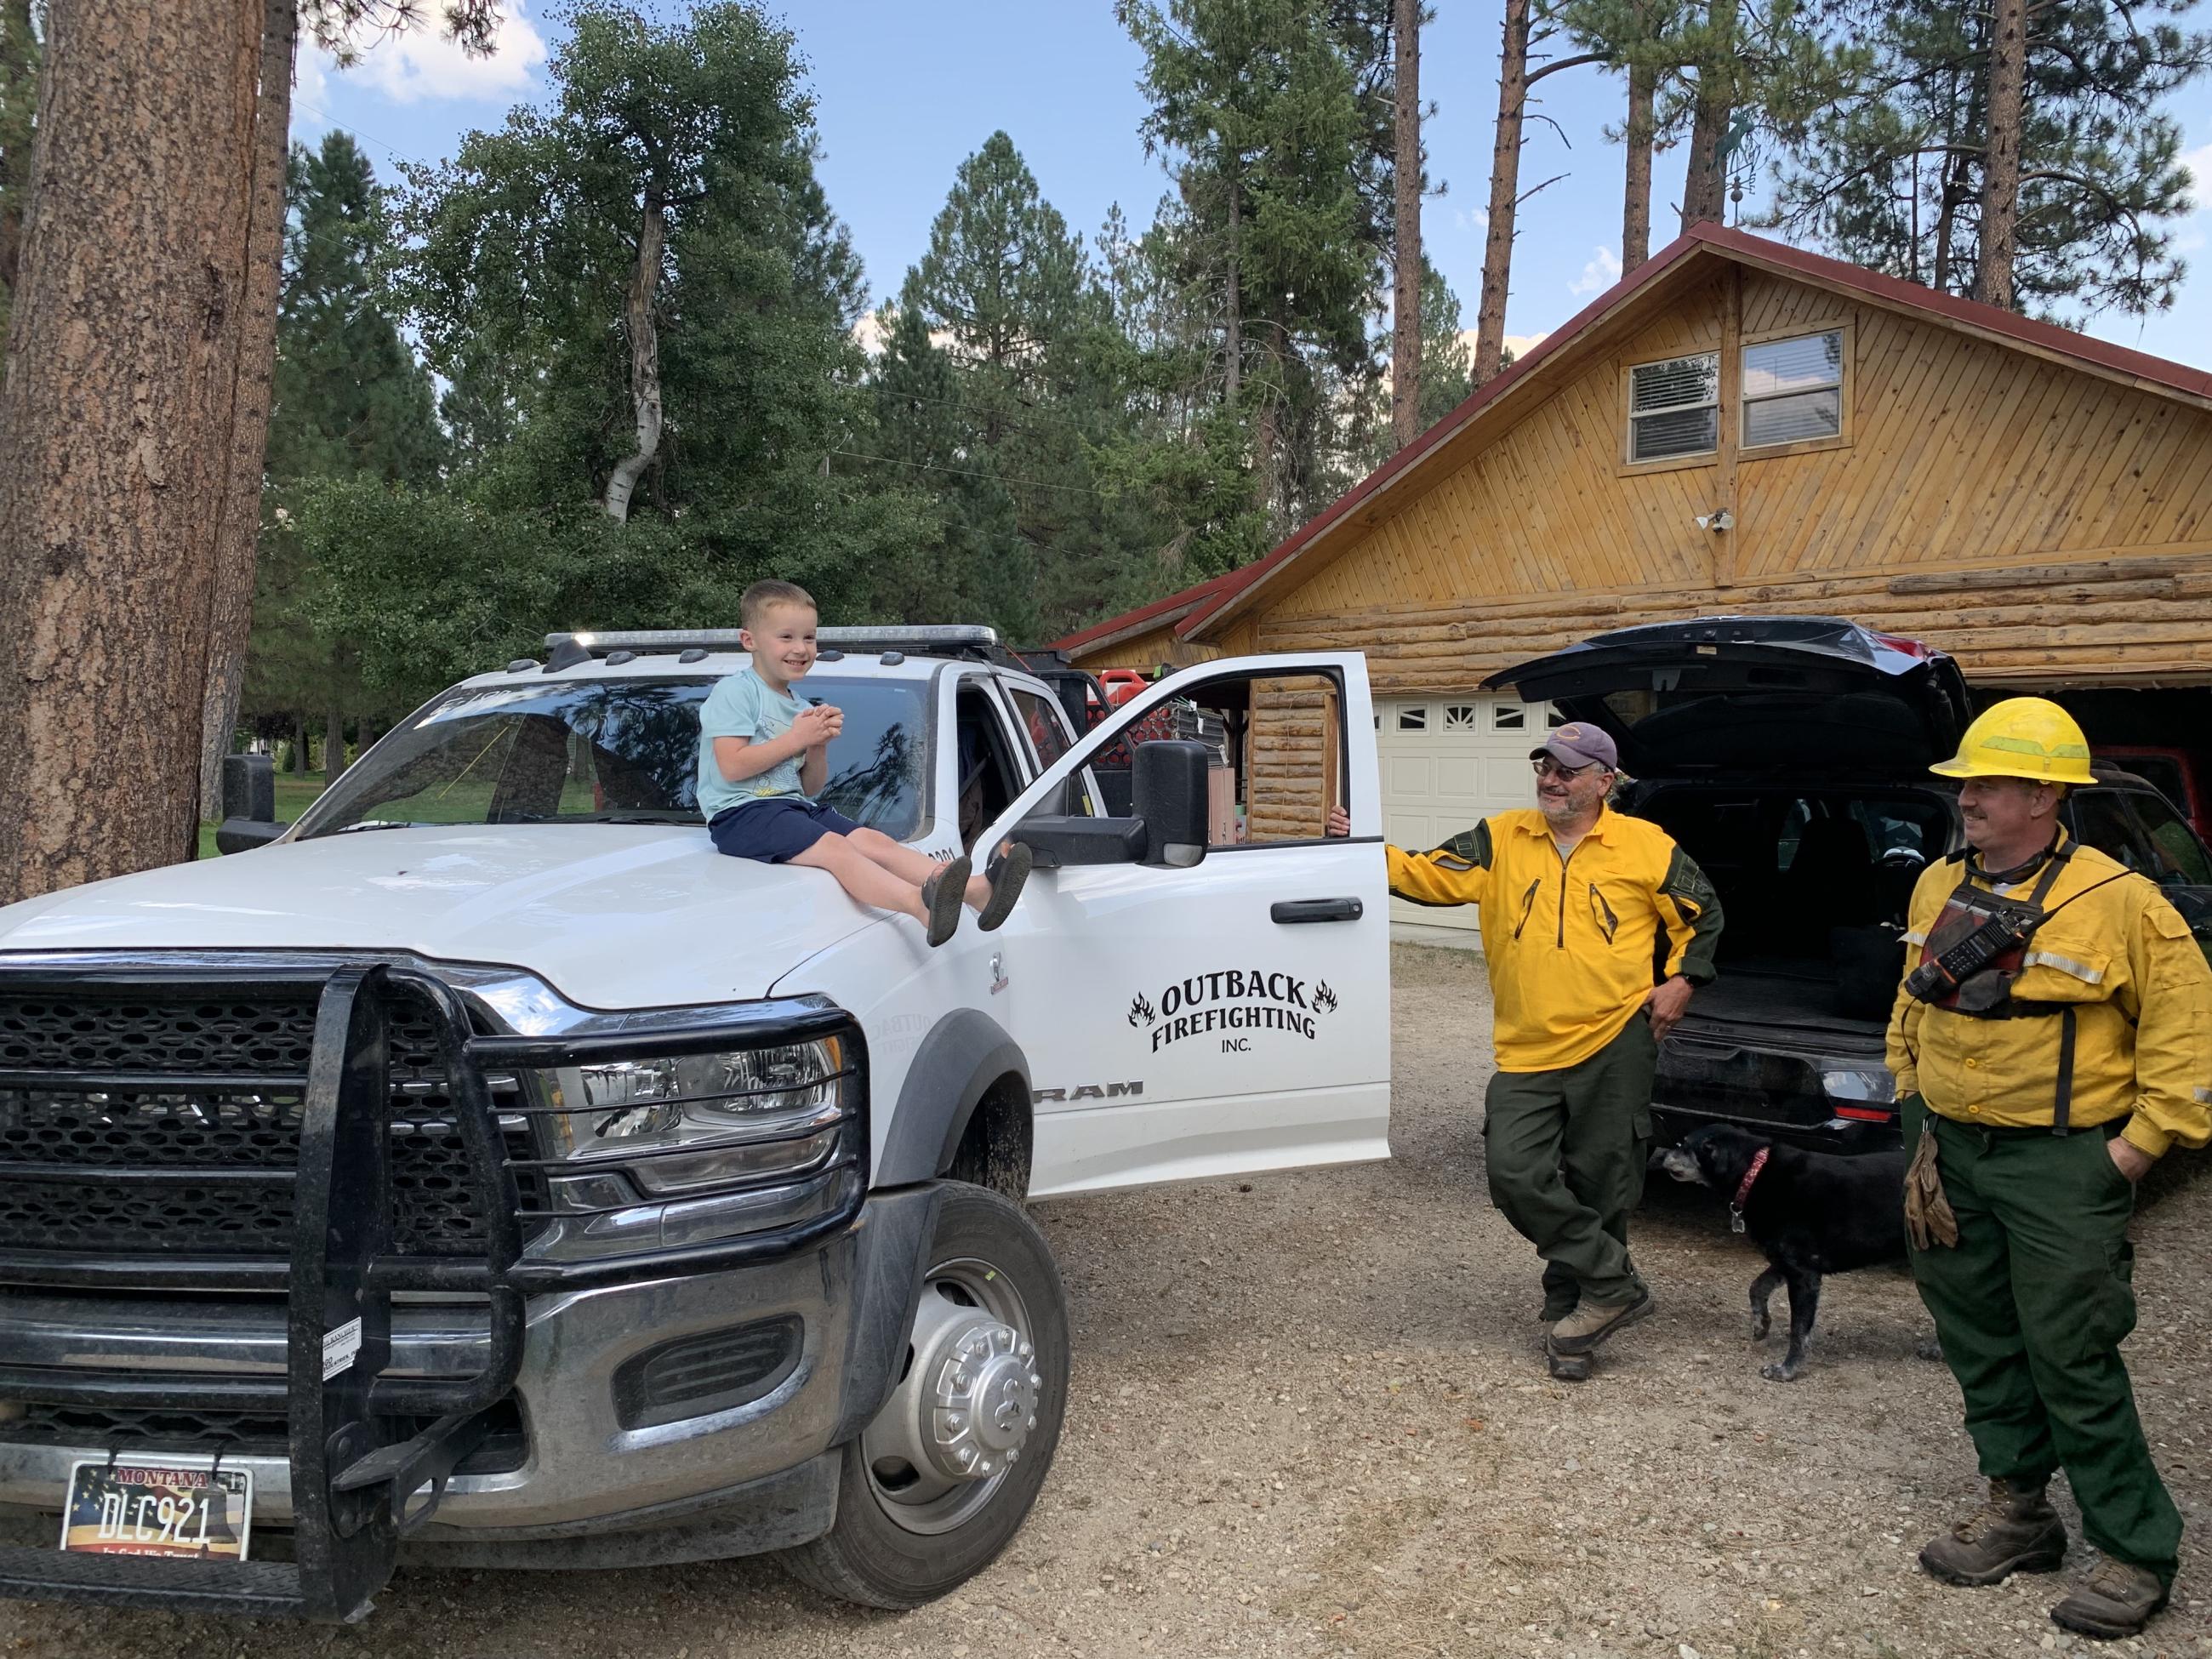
x=1811, y=1212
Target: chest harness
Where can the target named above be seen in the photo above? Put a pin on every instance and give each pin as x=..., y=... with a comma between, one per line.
x=1979, y=948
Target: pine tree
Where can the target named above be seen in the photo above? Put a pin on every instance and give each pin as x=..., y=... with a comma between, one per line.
x=1256, y=106
x=351, y=402
x=19, y=101
x=1894, y=176
x=1447, y=366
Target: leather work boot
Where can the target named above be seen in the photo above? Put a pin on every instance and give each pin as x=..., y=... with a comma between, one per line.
x=2015, y=1530
x=1566, y=1367
x=1593, y=1322
x=2118, y=1600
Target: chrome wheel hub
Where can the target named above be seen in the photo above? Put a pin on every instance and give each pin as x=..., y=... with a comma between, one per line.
x=961, y=1415
x=983, y=1400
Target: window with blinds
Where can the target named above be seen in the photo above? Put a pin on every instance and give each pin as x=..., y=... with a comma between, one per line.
x=1793, y=389
x=1674, y=408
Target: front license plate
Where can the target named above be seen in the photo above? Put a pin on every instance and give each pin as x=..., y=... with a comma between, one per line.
x=158, y=1506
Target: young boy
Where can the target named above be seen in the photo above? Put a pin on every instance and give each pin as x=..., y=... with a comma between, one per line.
x=763, y=756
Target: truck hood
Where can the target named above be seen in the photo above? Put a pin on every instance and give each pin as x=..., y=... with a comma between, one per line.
x=610, y=915
x=1725, y=694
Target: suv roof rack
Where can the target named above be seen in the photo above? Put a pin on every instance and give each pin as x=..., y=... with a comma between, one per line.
x=969, y=641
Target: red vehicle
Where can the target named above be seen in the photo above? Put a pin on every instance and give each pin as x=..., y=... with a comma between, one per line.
x=2177, y=773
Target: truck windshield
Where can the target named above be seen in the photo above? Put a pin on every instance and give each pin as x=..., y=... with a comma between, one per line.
x=609, y=752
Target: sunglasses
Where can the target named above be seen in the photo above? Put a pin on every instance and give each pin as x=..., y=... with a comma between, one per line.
x=1543, y=765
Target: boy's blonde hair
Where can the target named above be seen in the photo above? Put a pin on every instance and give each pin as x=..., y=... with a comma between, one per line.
x=753, y=603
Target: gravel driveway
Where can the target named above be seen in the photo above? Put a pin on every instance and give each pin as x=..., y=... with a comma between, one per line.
x=1309, y=1416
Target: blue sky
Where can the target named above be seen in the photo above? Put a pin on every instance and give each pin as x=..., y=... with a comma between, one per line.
x=906, y=88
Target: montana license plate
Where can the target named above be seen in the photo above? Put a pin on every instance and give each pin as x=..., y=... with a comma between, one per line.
x=158, y=1506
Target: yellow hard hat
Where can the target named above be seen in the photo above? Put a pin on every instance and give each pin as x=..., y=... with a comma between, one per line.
x=2030, y=737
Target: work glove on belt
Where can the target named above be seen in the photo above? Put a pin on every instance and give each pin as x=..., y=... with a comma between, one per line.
x=1928, y=1219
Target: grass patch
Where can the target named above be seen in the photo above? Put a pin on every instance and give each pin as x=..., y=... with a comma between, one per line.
x=294, y=794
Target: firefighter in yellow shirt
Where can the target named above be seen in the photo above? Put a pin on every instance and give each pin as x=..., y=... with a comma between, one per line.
x=2052, y=1037
x=1596, y=928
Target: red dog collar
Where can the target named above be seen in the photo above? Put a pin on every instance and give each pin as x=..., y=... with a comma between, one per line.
x=1735, y=1204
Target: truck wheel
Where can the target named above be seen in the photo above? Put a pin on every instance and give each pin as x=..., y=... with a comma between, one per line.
x=940, y=1481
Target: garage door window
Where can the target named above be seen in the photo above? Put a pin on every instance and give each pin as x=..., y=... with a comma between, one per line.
x=1413, y=719
x=1459, y=717
x=1792, y=390
x=1509, y=717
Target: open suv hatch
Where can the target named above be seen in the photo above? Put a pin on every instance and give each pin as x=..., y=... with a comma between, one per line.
x=1788, y=756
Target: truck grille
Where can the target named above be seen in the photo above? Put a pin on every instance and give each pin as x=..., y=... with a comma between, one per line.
x=203, y=1085
x=231, y=1434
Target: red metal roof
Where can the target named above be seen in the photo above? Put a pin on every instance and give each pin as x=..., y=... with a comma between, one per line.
x=1207, y=599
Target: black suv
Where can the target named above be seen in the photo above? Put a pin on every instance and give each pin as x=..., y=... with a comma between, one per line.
x=1788, y=756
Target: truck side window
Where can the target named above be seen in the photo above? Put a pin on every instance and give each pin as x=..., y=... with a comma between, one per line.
x=2179, y=857
x=1047, y=733
x=2101, y=819
x=987, y=777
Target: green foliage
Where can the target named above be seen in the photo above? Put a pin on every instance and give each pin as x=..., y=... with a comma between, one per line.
x=1890, y=176
x=350, y=401
x=517, y=261
x=20, y=49
x=1447, y=364
x=1257, y=108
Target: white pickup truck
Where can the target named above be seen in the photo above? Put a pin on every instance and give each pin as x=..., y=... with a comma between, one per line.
x=486, y=1171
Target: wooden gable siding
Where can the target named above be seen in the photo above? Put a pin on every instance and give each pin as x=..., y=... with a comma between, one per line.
x=2040, y=521
x=1147, y=651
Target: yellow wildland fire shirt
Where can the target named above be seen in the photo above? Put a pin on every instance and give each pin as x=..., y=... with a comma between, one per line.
x=1574, y=944
x=2143, y=994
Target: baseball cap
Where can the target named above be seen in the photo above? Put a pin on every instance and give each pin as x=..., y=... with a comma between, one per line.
x=1579, y=744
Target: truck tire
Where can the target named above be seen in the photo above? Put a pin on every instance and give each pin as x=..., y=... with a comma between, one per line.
x=940, y=1482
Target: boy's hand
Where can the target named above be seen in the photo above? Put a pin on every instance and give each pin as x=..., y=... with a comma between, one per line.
x=817, y=724
x=1339, y=821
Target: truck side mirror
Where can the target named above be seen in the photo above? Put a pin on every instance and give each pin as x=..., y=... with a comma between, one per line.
x=249, y=804
x=1168, y=792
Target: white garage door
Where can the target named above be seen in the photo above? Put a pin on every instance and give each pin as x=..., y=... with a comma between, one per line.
x=1448, y=762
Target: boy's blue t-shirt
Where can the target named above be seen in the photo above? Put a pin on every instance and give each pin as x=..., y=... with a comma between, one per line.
x=744, y=705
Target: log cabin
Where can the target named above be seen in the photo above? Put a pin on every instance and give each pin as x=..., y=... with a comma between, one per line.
x=1737, y=426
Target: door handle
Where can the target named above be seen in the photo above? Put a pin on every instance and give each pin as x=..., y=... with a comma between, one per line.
x=1328, y=910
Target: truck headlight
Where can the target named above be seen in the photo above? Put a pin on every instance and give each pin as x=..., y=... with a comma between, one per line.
x=656, y=1151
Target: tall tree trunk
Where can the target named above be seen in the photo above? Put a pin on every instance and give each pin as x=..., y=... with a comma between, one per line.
x=334, y=760
x=1704, y=189
x=644, y=357
x=1999, y=230
x=1406, y=299
x=115, y=406
x=1504, y=193
x=297, y=760
x=18, y=71
x=1636, y=190
x=1232, y=372
x=1949, y=202
x=231, y=617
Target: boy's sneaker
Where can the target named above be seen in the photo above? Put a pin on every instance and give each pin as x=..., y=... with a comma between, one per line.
x=942, y=896
x=1007, y=872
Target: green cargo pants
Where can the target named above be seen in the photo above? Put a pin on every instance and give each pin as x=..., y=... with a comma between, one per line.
x=1566, y=1151
x=2032, y=1304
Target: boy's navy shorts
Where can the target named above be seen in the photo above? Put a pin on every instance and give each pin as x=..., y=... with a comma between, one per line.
x=777, y=829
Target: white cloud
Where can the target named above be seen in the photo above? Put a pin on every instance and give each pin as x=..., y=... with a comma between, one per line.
x=422, y=64
x=1602, y=271
x=1519, y=344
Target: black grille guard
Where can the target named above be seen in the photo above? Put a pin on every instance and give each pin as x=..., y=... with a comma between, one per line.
x=358, y=1486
